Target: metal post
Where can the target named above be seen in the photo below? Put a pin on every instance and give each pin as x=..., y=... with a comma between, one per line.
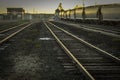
x=95, y=2
x=83, y=3
x=83, y=14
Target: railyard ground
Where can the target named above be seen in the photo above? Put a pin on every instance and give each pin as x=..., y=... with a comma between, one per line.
x=107, y=43
x=29, y=58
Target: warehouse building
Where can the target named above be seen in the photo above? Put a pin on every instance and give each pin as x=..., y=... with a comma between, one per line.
x=15, y=13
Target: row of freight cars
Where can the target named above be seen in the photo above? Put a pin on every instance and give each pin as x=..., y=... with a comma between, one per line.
x=109, y=13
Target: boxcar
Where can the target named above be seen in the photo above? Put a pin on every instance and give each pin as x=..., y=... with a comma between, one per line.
x=78, y=13
x=72, y=14
x=111, y=12
x=68, y=14
x=91, y=13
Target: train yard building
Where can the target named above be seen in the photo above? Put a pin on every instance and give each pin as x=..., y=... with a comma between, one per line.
x=15, y=13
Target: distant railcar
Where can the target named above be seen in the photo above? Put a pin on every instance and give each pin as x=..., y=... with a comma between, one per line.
x=78, y=13
x=65, y=15
x=109, y=13
x=91, y=13
x=68, y=14
x=72, y=14
x=60, y=14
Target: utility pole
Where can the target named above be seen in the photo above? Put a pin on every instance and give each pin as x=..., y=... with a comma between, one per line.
x=83, y=13
x=83, y=3
x=95, y=2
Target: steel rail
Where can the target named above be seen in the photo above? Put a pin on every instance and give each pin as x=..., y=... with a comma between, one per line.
x=102, y=31
x=97, y=30
x=105, y=30
x=79, y=65
x=12, y=28
x=90, y=45
x=13, y=34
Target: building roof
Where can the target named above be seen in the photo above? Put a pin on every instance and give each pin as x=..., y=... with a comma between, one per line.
x=15, y=9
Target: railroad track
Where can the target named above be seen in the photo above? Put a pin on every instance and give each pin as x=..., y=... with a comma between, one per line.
x=5, y=35
x=3, y=31
x=7, y=25
x=112, y=33
x=94, y=63
x=109, y=29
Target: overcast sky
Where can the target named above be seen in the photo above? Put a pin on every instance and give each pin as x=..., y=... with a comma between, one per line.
x=48, y=6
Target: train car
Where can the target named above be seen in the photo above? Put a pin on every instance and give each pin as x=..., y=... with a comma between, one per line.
x=78, y=14
x=110, y=13
x=68, y=14
x=105, y=14
x=65, y=15
x=62, y=14
x=72, y=14
x=91, y=13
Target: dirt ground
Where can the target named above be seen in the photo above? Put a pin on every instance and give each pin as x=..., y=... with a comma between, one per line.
x=28, y=57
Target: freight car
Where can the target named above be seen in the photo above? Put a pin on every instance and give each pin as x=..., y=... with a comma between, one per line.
x=107, y=14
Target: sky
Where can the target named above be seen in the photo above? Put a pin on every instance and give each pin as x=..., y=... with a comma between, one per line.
x=48, y=6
